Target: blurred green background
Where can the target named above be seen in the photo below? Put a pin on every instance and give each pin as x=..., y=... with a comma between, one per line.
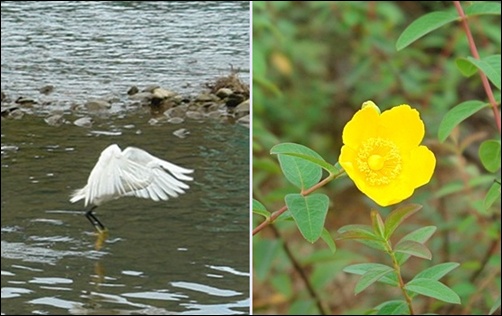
x=314, y=64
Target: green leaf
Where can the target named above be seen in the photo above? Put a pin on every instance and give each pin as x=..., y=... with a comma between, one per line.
x=264, y=251
x=459, y=185
x=495, y=306
x=266, y=85
x=420, y=235
x=478, y=8
x=300, y=172
x=397, y=216
x=424, y=25
x=362, y=234
x=433, y=288
x=326, y=236
x=489, y=153
x=393, y=308
x=309, y=213
x=490, y=66
x=466, y=67
x=438, y=271
x=492, y=195
x=363, y=229
x=260, y=209
x=282, y=284
x=302, y=307
x=456, y=115
x=377, y=222
x=371, y=277
x=300, y=151
x=413, y=248
x=362, y=268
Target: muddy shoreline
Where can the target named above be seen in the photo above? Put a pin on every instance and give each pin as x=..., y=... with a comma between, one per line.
x=225, y=99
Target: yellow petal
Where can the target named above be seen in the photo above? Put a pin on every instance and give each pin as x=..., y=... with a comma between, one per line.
x=362, y=126
x=383, y=195
x=419, y=166
x=371, y=104
x=386, y=195
x=403, y=126
x=347, y=160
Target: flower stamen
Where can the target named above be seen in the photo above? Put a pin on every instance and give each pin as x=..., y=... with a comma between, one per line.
x=379, y=160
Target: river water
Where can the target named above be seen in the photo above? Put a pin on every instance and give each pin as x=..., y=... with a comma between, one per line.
x=188, y=255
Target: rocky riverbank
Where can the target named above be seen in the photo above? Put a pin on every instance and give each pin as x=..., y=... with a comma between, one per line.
x=225, y=99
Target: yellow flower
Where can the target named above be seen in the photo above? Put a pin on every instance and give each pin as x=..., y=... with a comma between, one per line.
x=381, y=153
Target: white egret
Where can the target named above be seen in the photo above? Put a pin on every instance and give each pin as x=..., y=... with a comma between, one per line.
x=132, y=172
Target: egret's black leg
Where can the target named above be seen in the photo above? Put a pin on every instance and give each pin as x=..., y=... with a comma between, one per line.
x=94, y=220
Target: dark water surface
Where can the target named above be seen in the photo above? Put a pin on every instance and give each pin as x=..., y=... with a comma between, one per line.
x=188, y=255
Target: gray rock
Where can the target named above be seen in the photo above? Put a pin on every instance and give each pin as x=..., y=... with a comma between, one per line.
x=181, y=133
x=12, y=112
x=97, y=105
x=46, y=89
x=55, y=120
x=175, y=120
x=244, y=120
x=242, y=109
x=151, y=88
x=204, y=97
x=178, y=111
x=26, y=102
x=16, y=114
x=215, y=114
x=223, y=93
x=162, y=93
x=194, y=115
x=132, y=90
x=85, y=121
x=140, y=96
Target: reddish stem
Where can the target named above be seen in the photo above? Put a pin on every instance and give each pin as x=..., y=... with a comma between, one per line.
x=474, y=51
x=283, y=209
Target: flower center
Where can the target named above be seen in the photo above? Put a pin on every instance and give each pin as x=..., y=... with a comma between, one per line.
x=379, y=160
x=376, y=162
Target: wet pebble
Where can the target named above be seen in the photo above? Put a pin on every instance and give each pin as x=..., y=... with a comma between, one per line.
x=46, y=89
x=177, y=111
x=12, y=112
x=244, y=120
x=223, y=93
x=132, y=90
x=181, y=133
x=175, y=120
x=85, y=121
x=242, y=109
x=97, y=105
x=194, y=115
x=55, y=120
x=162, y=93
x=26, y=102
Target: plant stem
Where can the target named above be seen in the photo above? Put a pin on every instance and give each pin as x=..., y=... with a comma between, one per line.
x=397, y=269
x=298, y=268
x=475, y=54
x=283, y=209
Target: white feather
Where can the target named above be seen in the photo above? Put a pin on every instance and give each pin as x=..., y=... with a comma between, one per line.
x=132, y=172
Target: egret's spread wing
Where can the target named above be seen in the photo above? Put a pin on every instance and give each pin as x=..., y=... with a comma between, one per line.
x=165, y=176
x=114, y=175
